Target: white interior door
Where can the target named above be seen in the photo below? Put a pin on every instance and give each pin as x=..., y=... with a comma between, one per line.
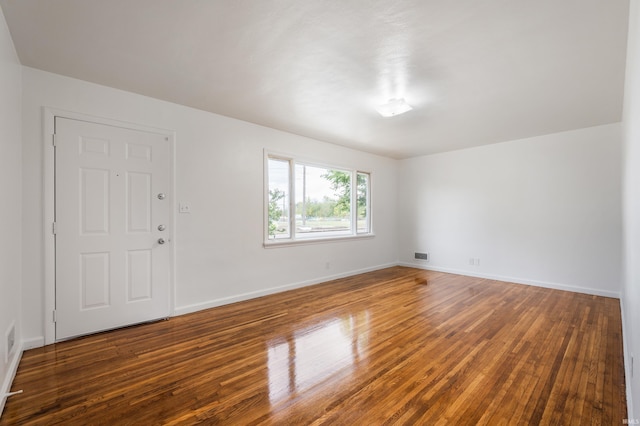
x=113, y=227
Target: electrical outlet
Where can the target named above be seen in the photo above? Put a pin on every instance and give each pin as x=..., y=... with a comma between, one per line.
x=422, y=256
x=477, y=262
x=327, y=265
x=472, y=261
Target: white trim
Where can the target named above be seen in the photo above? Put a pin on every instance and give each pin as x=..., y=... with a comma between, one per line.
x=515, y=280
x=293, y=162
x=187, y=309
x=32, y=343
x=10, y=375
x=182, y=310
x=265, y=197
x=353, y=182
x=287, y=242
x=48, y=129
x=369, y=206
x=309, y=161
x=627, y=363
x=48, y=203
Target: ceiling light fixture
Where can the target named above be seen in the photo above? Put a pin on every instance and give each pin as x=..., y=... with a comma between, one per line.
x=394, y=107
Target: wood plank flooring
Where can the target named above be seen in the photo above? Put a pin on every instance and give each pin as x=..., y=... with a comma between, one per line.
x=396, y=346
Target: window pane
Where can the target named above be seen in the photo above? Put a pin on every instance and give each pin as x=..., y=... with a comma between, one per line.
x=278, y=199
x=362, y=200
x=323, y=202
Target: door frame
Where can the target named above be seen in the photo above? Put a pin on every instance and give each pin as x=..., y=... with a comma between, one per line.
x=49, y=115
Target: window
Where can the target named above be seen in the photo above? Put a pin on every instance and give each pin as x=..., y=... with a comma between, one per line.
x=306, y=201
x=278, y=208
x=362, y=202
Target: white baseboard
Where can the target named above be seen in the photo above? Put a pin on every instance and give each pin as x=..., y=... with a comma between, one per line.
x=10, y=375
x=182, y=310
x=32, y=343
x=39, y=341
x=555, y=286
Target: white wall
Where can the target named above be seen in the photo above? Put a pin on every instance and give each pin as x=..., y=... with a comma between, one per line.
x=219, y=171
x=631, y=202
x=544, y=210
x=10, y=203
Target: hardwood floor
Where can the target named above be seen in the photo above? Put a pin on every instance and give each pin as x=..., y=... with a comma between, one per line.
x=396, y=346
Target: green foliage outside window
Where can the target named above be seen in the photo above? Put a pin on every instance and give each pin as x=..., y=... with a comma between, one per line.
x=275, y=212
x=341, y=184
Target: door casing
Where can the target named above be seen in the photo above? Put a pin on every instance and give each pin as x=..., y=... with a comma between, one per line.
x=48, y=129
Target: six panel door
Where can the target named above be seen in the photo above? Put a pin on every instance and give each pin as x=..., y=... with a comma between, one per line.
x=113, y=227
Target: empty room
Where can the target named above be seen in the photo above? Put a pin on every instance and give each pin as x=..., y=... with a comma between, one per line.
x=319, y=212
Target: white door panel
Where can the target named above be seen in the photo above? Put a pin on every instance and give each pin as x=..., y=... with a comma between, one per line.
x=110, y=269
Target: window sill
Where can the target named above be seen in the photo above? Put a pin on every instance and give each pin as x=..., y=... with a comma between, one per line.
x=301, y=242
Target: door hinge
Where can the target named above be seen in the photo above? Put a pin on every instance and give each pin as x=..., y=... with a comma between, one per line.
x=53, y=139
x=54, y=316
x=54, y=228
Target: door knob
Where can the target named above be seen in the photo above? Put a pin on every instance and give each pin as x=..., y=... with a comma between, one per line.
x=161, y=227
x=161, y=241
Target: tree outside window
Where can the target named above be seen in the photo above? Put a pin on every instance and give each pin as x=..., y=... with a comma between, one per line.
x=323, y=204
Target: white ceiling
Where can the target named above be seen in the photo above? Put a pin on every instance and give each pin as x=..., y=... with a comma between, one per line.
x=475, y=71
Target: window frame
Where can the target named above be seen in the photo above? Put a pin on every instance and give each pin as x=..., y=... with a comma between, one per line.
x=292, y=239
x=354, y=202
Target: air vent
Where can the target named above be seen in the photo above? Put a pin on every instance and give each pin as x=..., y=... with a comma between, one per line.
x=10, y=339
